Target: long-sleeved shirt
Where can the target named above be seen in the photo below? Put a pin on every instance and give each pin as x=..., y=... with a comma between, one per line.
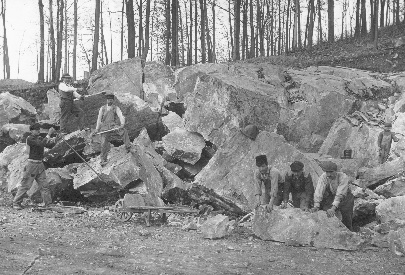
x=37, y=145
x=338, y=187
x=298, y=184
x=103, y=112
x=268, y=181
x=385, y=139
x=65, y=88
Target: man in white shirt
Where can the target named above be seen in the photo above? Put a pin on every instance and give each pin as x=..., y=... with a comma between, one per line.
x=333, y=193
x=110, y=117
x=67, y=106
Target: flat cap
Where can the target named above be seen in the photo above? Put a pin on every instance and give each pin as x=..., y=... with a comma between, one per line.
x=296, y=166
x=251, y=131
x=35, y=126
x=66, y=75
x=329, y=166
x=260, y=160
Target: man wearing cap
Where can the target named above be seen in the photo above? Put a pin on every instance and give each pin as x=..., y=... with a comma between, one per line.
x=332, y=193
x=67, y=106
x=110, y=117
x=300, y=185
x=385, y=139
x=35, y=169
x=269, y=184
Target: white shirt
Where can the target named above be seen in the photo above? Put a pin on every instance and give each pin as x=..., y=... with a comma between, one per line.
x=118, y=112
x=67, y=88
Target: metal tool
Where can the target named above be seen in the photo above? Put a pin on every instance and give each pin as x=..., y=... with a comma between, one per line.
x=63, y=138
x=106, y=131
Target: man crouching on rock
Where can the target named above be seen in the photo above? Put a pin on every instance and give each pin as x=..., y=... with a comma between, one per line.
x=332, y=193
x=35, y=169
x=110, y=117
x=269, y=184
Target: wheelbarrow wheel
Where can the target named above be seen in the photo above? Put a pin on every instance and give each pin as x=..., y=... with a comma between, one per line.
x=122, y=216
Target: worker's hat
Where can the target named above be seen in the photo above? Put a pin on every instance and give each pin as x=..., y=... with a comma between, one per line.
x=35, y=126
x=296, y=166
x=329, y=166
x=66, y=76
x=260, y=160
x=251, y=131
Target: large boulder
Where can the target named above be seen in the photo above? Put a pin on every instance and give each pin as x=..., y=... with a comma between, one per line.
x=295, y=227
x=220, y=104
x=230, y=172
x=391, y=209
x=119, y=77
x=12, y=161
x=371, y=176
x=51, y=108
x=15, y=109
x=159, y=80
x=15, y=131
x=184, y=145
x=364, y=210
x=362, y=140
x=172, y=121
x=392, y=188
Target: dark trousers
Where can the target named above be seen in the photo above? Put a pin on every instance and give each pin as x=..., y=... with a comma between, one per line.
x=105, y=141
x=345, y=207
x=67, y=109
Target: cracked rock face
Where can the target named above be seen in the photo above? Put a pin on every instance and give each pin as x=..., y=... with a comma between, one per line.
x=391, y=209
x=14, y=109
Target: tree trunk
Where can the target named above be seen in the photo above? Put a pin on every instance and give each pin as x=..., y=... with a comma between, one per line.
x=66, y=67
x=357, y=27
x=295, y=27
x=244, y=31
x=195, y=33
x=372, y=21
x=375, y=24
x=214, y=55
x=146, y=47
x=59, y=39
x=236, y=51
x=230, y=29
x=252, y=32
x=131, y=28
x=175, y=34
x=74, y=38
x=287, y=40
x=382, y=13
x=331, y=20
x=202, y=37
x=96, y=36
x=299, y=23
x=363, y=18
x=103, y=44
x=181, y=36
x=279, y=28
x=42, y=42
x=190, y=53
x=52, y=42
x=167, y=33
x=122, y=29
x=397, y=21
x=311, y=22
x=320, y=37
x=140, y=29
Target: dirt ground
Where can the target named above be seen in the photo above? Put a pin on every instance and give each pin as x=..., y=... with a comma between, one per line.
x=47, y=242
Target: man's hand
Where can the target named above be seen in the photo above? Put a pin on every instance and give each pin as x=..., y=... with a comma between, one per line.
x=51, y=131
x=331, y=212
x=284, y=205
x=313, y=210
x=269, y=207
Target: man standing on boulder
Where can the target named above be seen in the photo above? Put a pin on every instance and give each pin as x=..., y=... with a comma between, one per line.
x=35, y=169
x=300, y=185
x=269, y=184
x=385, y=139
x=110, y=117
x=67, y=106
x=333, y=193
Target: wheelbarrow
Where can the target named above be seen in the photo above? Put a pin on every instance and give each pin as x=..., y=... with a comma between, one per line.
x=124, y=213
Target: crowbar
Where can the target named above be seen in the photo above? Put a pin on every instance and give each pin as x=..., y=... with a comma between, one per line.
x=63, y=138
x=106, y=131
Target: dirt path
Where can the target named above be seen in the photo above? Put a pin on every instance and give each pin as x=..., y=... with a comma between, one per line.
x=95, y=243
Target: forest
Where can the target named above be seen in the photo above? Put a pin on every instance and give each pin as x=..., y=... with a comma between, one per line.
x=185, y=32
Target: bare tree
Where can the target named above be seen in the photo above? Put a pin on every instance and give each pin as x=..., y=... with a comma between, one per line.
x=363, y=17
x=6, y=61
x=190, y=53
x=96, y=36
x=175, y=34
x=131, y=28
x=52, y=41
x=167, y=33
x=202, y=37
x=59, y=38
x=331, y=20
x=74, y=37
x=146, y=47
x=320, y=34
x=42, y=42
x=140, y=28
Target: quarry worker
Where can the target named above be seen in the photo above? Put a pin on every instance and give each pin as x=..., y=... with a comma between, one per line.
x=110, y=117
x=35, y=169
x=385, y=139
x=300, y=185
x=67, y=106
x=269, y=184
x=332, y=193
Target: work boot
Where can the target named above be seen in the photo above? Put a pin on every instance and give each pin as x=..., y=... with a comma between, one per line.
x=17, y=206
